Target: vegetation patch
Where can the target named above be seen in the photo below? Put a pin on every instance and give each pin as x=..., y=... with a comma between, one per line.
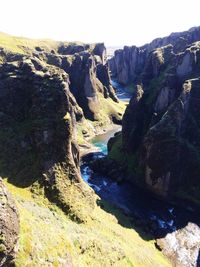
x=75, y=198
x=50, y=238
x=129, y=162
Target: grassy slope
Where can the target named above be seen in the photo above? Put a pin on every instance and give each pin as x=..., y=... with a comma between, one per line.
x=47, y=235
x=20, y=45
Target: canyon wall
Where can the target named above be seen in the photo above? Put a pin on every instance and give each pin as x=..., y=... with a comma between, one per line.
x=160, y=129
x=128, y=63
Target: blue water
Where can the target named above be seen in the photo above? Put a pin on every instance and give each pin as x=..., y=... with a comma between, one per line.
x=131, y=199
x=121, y=91
x=101, y=140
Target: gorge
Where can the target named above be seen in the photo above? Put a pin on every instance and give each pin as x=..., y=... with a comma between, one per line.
x=77, y=201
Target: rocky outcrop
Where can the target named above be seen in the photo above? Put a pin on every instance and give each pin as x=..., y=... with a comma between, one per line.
x=38, y=137
x=171, y=142
x=165, y=120
x=88, y=74
x=182, y=246
x=128, y=64
x=9, y=227
x=37, y=107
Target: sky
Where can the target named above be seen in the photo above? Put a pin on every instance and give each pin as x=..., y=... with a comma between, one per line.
x=114, y=22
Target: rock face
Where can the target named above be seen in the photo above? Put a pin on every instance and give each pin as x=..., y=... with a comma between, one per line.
x=172, y=141
x=37, y=116
x=9, y=227
x=88, y=74
x=39, y=111
x=129, y=63
x=182, y=246
x=160, y=133
x=44, y=94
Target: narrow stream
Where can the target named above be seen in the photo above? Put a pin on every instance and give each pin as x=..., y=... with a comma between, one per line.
x=121, y=91
x=144, y=206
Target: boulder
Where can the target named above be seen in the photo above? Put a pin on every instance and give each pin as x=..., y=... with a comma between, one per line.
x=182, y=246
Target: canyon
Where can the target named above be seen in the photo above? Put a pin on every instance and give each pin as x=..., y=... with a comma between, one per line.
x=96, y=180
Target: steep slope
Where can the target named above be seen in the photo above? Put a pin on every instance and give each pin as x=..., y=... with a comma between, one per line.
x=160, y=132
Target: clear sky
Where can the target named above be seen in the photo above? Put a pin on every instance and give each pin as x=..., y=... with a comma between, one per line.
x=116, y=22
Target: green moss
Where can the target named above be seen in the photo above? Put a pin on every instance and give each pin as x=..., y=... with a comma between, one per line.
x=129, y=162
x=75, y=198
x=2, y=248
x=2, y=238
x=116, y=152
x=108, y=110
x=154, y=88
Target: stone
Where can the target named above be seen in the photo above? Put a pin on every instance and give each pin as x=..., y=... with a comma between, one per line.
x=182, y=246
x=9, y=227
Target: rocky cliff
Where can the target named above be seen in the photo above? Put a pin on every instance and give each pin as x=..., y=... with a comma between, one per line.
x=88, y=74
x=128, y=64
x=160, y=133
x=38, y=141
x=86, y=65
x=46, y=90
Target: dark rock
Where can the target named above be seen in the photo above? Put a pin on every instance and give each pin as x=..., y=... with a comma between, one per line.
x=38, y=116
x=37, y=108
x=89, y=78
x=39, y=49
x=9, y=227
x=128, y=63
x=160, y=127
x=70, y=49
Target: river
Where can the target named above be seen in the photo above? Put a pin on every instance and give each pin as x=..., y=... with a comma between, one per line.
x=162, y=216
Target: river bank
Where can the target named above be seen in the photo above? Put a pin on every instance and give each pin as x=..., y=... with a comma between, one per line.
x=94, y=144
